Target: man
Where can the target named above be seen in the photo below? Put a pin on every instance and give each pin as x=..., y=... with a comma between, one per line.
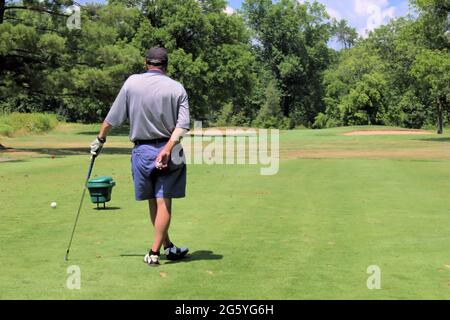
x=158, y=112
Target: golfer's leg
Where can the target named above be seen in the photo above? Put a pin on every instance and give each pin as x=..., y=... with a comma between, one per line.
x=152, y=206
x=162, y=222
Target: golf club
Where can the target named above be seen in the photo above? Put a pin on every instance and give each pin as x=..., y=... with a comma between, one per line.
x=66, y=258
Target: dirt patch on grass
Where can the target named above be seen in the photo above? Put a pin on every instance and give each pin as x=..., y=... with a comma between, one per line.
x=18, y=152
x=223, y=132
x=386, y=133
x=418, y=154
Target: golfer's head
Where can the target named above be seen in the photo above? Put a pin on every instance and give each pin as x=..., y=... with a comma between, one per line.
x=157, y=58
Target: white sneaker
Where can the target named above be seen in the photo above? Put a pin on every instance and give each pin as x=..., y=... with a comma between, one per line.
x=151, y=260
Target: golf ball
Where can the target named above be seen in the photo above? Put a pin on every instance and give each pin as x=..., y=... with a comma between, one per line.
x=53, y=205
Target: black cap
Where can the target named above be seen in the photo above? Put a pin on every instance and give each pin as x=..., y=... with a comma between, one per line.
x=157, y=56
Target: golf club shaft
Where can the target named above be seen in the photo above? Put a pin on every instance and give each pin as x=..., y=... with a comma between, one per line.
x=79, y=208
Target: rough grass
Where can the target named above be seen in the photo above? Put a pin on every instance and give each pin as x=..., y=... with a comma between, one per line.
x=17, y=124
x=309, y=232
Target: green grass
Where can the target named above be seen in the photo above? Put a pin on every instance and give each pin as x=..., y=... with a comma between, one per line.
x=309, y=232
x=13, y=124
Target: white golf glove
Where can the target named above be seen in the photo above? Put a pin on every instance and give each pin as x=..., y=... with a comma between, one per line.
x=97, y=146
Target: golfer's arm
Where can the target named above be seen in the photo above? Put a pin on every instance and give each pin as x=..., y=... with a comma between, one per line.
x=105, y=130
x=175, y=139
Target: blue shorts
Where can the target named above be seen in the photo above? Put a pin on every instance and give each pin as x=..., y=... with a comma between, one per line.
x=151, y=183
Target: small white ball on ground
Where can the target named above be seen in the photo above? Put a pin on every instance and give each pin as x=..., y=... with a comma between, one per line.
x=53, y=205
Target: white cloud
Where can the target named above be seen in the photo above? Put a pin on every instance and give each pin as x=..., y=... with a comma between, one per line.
x=362, y=7
x=334, y=13
x=375, y=12
x=365, y=15
x=229, y=10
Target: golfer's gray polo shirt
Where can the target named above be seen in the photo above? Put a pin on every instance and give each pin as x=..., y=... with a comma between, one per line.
x=153, y=103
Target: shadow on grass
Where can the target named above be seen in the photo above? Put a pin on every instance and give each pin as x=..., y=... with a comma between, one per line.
x=198, y=256
x=120, y=132
x=100, y=208
x=74, y=151
x=195, y=256
x=6, y=160
x=443, y=139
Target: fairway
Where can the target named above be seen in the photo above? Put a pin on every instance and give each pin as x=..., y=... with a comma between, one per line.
x=338, y=205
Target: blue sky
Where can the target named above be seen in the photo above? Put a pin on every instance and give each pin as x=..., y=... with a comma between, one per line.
x=361, y=14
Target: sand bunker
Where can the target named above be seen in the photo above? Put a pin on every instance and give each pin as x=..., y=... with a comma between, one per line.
x=224, y=132
x=387, y=133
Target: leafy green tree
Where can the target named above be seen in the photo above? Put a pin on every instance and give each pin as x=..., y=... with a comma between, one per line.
x=104, y=58
x=365, y=101
x=388, y=70
x=432, y=70
x=230, y=117
x=355, y=89
x=77, y=73
x=433, y=23
x=270, y=115
x=394, y=44
x=42, y=6
x=267, y=65
x=344, y=34
x=210, y=52
x=225, y=116
x=290, y=38
x=412, y=112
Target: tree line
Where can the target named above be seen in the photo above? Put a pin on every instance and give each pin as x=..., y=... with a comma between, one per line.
x=268, y=65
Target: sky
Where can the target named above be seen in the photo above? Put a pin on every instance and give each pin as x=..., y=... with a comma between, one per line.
x=361, y=14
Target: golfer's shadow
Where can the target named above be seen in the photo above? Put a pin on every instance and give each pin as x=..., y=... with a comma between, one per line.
x=197, y=256
x=100, y=209
x=194, y=256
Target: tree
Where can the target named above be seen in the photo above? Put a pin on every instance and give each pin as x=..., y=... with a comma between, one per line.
x=387, y=72
x=396, y=45
x=412, y=111
x=290, y=39
x=48, y=7
x=270, y=115
x=78, y=73
x=269, y=64
x=433, y=23
x=432, y=71
x=355, y=89
x=365, y=102
x=2, y=10
x=344, y=34
x=74, y=72
x=209, y=50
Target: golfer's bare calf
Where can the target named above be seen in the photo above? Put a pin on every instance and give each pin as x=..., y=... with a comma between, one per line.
x=160, y=215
